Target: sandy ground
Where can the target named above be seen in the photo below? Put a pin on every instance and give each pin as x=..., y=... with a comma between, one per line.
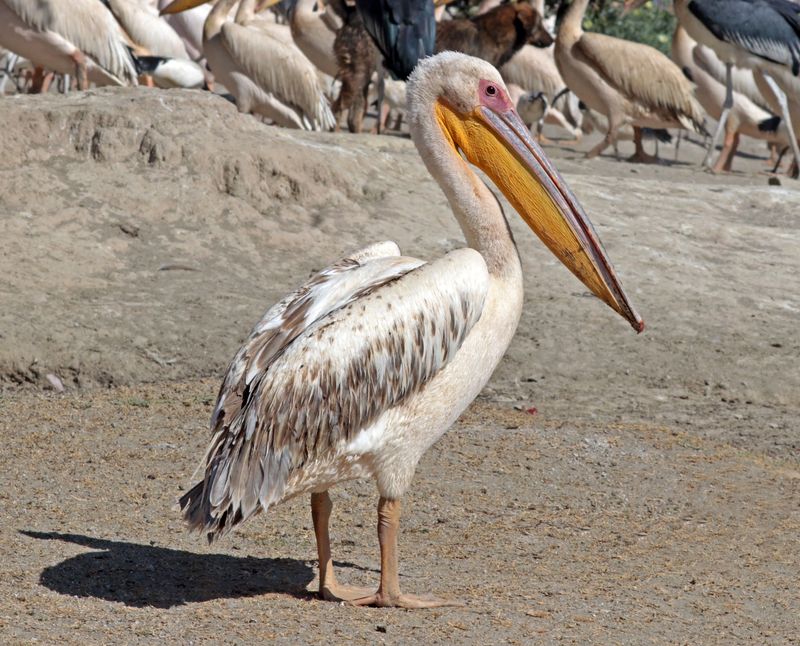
x=654, y=497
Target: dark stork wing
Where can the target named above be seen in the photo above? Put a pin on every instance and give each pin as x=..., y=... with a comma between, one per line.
x=769, y=29
x=403, y=30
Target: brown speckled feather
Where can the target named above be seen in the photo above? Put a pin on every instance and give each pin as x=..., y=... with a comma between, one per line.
x=357, y=339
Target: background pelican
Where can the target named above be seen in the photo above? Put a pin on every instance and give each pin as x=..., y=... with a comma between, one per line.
x=259, y=64
x=628, y=82
x=359, y=371
x=141, y=22
x=314, y=28
x=77, y=37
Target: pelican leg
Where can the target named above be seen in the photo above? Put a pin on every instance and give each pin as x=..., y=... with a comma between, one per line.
x=726, y=109
x=678, y=144
x=329, y=588
x=787, y=120
x=609, y=140
x=725, y=158
x=47, y=82
x=81, y=73
x=640, y=155
x=37, y=81
x=388, y=593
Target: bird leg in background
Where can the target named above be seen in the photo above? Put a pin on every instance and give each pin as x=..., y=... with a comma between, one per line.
x=774, y=150
x=66, y=81
x=784, y=103
x=11, y=62
x=778, y=162
x=609, y=140
x=81, y=74
x=725, y=158
x=678, y=144
x=379, y=127
x=47, y=81
x=640, y=155
x=37, y=81
x=726, y=108
x=329, y=588
x=388, y=594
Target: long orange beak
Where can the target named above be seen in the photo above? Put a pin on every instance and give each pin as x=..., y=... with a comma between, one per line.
x=497, y=142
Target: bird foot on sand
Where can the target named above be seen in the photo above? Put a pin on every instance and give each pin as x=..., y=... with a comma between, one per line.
x=643, y=158
x=339, y=592
x=383, y=600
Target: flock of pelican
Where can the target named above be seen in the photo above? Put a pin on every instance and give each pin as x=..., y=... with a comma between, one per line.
x=357, y=372
x=741, y=72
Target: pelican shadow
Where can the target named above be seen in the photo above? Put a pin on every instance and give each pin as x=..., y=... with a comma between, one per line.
x=143, y=575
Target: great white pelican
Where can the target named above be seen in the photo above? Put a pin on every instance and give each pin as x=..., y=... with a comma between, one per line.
x=360, y=370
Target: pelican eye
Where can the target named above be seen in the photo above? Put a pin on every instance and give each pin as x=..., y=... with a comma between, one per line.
x=491, y=90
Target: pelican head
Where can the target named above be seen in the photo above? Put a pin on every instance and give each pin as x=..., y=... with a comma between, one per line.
x=460, y=105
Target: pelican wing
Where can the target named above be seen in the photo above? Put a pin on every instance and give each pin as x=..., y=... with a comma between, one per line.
x=358, y=339
x=534, y=69
x=87, y=24
x=279, y=68
x=643, y=75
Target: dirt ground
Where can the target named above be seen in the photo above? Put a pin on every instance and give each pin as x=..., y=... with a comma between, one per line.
x=652, y=497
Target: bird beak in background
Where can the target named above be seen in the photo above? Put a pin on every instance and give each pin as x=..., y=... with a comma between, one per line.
x=181, y=5
x=496, y=140
x=263, y=5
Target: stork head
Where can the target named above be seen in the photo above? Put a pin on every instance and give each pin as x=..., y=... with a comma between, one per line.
x=459, y=105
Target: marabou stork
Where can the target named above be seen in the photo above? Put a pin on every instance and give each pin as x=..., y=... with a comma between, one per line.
x=403, y=30
x=757, y=34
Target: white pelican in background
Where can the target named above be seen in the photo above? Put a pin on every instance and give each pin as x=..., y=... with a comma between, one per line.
x=534, y=70
x=141, y=22
x=77, y=37
x=628, y=82
x=314, y=28
x=265, y=71
x=188, y=25
x=359, y=371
